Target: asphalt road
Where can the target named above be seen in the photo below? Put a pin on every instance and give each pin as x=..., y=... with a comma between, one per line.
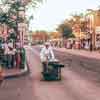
x=80, y=80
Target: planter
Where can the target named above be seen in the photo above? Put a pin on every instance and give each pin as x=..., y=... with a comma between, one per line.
x=23, y=58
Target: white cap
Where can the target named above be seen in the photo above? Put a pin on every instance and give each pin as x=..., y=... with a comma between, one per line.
x=47, y=43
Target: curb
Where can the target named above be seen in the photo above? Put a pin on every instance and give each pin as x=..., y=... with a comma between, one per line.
x=24, y=71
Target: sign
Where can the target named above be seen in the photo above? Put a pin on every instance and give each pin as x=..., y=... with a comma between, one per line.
x=97, y=30
x=97, y=37
x=97, y=43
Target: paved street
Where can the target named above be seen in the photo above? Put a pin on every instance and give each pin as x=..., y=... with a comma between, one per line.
x=80, y=80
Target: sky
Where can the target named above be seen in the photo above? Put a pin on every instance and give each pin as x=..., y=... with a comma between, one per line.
x=53, y=12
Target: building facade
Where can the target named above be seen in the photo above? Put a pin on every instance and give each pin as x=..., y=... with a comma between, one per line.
x=93, y=27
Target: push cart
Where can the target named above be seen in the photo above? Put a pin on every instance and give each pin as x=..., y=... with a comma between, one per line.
x=53, y=71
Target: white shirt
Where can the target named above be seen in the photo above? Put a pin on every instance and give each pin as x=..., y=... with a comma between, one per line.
x=10, y=44
x=8, y=51
x=46, y=54
x=6, y=48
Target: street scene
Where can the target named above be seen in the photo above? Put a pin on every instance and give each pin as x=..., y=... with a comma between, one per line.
x=80, y=80
x=49, y=50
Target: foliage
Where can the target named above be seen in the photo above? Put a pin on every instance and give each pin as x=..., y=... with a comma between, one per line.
x=6, y=18
x=42, y=35
x=12, y=36
x=54, y=35
x=71, y=36
x=3, y=18
x=32, y=6
x=65, y=29
x=33, y=3
x=29, y=4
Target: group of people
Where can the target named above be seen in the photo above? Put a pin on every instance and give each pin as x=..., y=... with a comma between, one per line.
x=74, y=44
x=9, y=54
x=12, y=53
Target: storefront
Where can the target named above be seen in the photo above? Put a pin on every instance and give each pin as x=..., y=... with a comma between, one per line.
x=97, y=37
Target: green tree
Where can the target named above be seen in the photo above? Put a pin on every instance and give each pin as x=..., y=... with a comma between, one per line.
x=66, y=30
x=79, y=20
x=7, y=19
x=14, y=7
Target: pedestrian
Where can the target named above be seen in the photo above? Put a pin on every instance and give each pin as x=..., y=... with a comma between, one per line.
x=9, y=53
x=86, y=45
x=1, y=75
x=46, y=55
x=6, y=49
x=91, y=48
x=1, y=52
x=83, y=44
x=18, y=55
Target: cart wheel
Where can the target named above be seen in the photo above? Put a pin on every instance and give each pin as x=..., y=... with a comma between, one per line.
x=1, y=81
x=59, y=74
x=59, y=77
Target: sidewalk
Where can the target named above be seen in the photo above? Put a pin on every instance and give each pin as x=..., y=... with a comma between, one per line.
x=88, y=54
x=11, y=73
x=15, y=72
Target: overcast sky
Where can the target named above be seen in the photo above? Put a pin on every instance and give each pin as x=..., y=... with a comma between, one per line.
x=53, y=12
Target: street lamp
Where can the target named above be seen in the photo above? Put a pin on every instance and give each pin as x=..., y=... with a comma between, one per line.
x=91, y=27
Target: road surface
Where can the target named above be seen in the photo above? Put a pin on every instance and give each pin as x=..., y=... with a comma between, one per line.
x=80, y=80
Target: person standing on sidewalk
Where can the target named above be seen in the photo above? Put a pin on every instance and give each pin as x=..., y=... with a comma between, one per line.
x=17, y=54
x=91, y=47
x=6, y=49
x=46, y=54
x=9, y=54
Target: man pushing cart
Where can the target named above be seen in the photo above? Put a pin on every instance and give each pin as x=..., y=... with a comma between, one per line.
x=51, y=66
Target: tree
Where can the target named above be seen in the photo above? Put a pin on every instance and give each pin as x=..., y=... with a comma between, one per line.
x=79, y=20
x=65, y=29
x=14, y=5
x=42, y=35
x=54, y=35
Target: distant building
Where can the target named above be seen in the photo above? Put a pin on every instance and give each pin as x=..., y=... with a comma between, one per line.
x=40, y=36
x=93, y=27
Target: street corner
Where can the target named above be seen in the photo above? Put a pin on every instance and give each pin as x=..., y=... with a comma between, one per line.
x=15, y=73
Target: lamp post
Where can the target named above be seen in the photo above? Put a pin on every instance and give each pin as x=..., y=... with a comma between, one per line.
x=91, y=26
x=21, y=23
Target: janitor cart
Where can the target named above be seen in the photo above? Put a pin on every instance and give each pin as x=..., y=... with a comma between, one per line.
x=53, y=71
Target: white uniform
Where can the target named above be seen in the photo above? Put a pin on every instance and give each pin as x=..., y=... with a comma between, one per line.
x=46, y=54
x=7, y=50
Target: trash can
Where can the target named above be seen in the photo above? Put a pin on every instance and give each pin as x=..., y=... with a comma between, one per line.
x=53, y=71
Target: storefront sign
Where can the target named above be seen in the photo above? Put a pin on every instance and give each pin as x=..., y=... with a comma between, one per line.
x=97, y=40
x=97, y=30
x=97, y=37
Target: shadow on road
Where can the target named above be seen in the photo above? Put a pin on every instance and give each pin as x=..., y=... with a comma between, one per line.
x=84, y=66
